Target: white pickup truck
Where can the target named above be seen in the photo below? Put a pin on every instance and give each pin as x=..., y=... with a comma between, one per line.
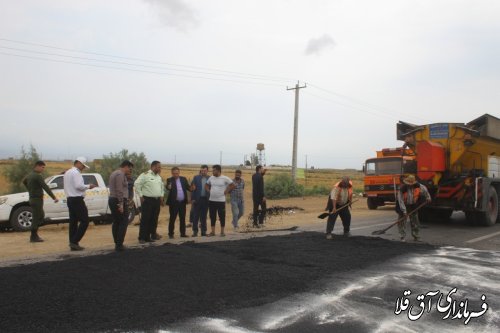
x=15, y=211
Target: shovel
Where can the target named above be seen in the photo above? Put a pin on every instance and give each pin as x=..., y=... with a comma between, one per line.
x=323, y=215
x=380, y=232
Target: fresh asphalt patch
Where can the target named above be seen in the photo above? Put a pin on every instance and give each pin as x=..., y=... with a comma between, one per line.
x=149, y=288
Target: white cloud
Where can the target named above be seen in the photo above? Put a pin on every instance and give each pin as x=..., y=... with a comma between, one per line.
x=176, y=13
x=318, y=45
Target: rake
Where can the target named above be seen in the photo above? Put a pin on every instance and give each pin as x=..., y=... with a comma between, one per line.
x=382, y=231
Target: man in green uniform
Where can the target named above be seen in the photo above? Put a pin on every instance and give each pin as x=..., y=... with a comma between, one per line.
x=35, y=184
x=149, y=186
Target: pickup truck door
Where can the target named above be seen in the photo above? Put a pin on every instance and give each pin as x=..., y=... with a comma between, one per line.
x=96, y=199
x=60, y=209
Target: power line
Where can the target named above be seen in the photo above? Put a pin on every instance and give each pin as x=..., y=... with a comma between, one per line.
x=138, y=70
x=352, y=107
x=142, y=60
x=365, y=104
x=189, y=69
x=132, y=64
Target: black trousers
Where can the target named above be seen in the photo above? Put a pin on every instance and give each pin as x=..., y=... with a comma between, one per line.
x=149, y=218
x=345, y=216
x=256, y=214
x=177, y=208
x=200, y=209
x=120, y=220
x=77, y=213
x=214, y=208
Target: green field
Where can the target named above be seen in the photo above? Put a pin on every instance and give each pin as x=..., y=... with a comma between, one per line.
x=308, y=178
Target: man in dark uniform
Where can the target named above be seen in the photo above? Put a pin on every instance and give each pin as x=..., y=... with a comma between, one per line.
x=36, y=185
x=258, y=196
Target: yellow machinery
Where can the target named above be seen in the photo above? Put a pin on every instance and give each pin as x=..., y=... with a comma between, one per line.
x=459, y=164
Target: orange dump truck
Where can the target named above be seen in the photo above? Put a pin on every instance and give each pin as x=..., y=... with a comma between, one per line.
x=460, y=165
x=383, y=175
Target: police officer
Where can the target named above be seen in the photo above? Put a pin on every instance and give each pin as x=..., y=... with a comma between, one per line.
x=36, y=185
x=149, y=186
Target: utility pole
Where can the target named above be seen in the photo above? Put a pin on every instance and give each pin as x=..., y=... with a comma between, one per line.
x=295, y=129
x=220, y=162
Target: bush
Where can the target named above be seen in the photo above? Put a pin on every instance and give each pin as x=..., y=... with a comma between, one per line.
x=112, y=161
x=317, y=190
x=282, y=186
x=16, y=172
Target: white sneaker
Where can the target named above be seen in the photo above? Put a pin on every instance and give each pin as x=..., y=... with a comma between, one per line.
x=329, y=236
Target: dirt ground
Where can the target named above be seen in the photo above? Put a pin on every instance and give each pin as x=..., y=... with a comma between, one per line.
x=15, y=246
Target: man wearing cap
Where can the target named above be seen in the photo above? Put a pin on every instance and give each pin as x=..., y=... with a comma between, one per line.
x=149, y=186
x=410, y=195
x=74, y=189
x=118, y=202
x=338, y=205
x=36, y=185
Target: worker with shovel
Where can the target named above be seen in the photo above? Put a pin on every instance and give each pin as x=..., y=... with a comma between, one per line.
x=338, y=205
x=411, y=197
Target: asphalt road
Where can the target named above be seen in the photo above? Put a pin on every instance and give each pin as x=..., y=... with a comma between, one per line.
x=455, y=232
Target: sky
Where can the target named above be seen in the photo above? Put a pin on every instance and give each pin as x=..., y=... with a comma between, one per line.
x=188, y=81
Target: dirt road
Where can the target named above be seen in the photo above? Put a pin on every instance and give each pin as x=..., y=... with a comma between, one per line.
x=16, y=247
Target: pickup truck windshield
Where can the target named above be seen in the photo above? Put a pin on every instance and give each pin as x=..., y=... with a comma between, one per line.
x=383, y=166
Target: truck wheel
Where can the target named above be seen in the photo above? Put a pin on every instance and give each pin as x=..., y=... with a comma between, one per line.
x=21, y=218
x=470, y=217
x=372, y=203
x=131, y=213
x=489, y=217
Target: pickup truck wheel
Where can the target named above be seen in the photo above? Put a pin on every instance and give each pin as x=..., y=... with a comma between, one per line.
x=21, y=218
x=372, y=203
x=131, y=213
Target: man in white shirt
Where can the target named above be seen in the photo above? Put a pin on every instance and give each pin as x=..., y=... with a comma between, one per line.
x=218, y=186
x=75, y=188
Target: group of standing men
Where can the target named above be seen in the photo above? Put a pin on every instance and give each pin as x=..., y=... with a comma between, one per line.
x=208, y=196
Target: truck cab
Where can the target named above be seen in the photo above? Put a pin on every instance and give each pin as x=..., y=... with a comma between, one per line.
x=383, y=175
